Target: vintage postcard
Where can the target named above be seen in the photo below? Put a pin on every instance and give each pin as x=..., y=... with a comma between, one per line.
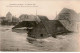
x=40, y=25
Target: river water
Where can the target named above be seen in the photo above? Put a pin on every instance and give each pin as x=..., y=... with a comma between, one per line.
x=16, y=40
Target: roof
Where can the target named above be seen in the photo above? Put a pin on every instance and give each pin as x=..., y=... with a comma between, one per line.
x=43, y=18
x=54, y=26
x=8, y=13
x=25, y=17
x=68, y=14
x=51, y=27
x=67, y=25
x=68, y=17
x=25, y=24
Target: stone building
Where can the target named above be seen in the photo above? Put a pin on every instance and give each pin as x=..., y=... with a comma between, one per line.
x=9, y=17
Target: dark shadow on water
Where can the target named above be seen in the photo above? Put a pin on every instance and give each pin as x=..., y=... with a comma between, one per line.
x=35, y=42
x=31, y=40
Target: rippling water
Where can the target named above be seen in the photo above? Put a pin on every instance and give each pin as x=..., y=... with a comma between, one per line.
x=16, y=40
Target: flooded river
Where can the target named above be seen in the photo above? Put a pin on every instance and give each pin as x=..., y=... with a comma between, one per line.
x=16, y=40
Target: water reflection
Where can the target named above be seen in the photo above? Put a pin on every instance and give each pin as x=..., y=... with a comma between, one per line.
x=20, y=30
x=36, y=42
x=31, y=40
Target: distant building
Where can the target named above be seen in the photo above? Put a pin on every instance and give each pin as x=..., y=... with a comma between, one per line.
x=15, y=19
x=9, y=17
x=31, y=21
x=38, y=18
x=25, y=17
x=2, y=19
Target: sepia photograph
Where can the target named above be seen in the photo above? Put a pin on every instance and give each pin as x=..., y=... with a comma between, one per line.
x=39, y=25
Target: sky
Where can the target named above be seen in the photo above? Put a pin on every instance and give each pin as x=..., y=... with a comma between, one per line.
x=49, y=8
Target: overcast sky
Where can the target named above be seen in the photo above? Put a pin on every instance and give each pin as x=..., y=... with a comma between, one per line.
x=48, y=8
